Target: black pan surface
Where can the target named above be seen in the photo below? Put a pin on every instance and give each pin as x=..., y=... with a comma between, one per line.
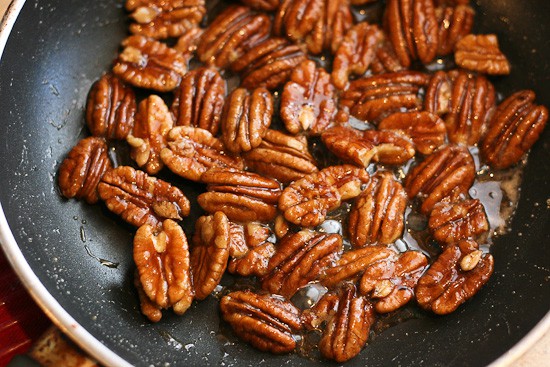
x=58, y=48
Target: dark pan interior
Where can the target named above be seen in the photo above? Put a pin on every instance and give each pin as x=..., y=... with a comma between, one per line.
x=59, y=47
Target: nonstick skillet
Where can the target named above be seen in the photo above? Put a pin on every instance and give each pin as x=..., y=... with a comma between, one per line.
x=76, y=259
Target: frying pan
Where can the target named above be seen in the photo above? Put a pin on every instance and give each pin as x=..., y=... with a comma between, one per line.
x=60, y=248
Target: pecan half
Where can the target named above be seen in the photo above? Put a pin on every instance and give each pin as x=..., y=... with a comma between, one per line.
x=110, y=108
x=456, y=276
x=426, y=130
x=283, y=157
x=308, y=101
x=191, y=151
x=141, y=199
x=242, y=196
x=148, y=308
x=249, y=249
x=265, y=5
x=515, y=127
x=377, y=216
x=235, y=31
x=148, y=137
x=246, y=118
x=452, y=222
x=481, y=53
x=454, y=24
x=449, y=172
x=146, y=63
x=188, y=42
x=314, y=317
x=267, y=322
x=386, y=61
x=162, y=261
x=210, y=253
x=199, y=100
x=299, y=259
x=81, y=171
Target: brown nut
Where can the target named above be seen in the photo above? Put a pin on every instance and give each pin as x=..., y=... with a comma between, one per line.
x=445, y=285
x=391, y=282
x=314, y=317
x=235, y=31
x=308, y=101
x=141, y=199
x=377, y=216
x=191, y=151
x=210, y=253
x=164, y=19
x=242, y=196
x=449, y=172
x=148, y=137
x=199, y=100
x=246, y=118
x=267, y=322
x=452, y=222
x=162, y=261
x=148, y=308
x=269, y=64
x=264, y=5
x=391, y=147
x=481, y=53
x=454, y=24
x=188, y=42
x=249, y=249
x=386, y=61
x=299, y=259
x=110, y=108
x=81, y=171
x=515, y=127
x=146, y=63
x=413, y=30
x=376, y=97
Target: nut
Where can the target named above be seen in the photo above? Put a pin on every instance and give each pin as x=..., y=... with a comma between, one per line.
x=199, y=100
x=454, y=24
x=148, y=308
x=267, y=322
x=210, y=253
x=188, y=42
x=481, y=53
x=283, y=157
x=314, y=317
x=246, y=118
x=515, y=127
x=390, y=147
x=110, y=108
x=452, y=222
x=148, y=137
x=191, y=151
x=308, y=101
x=377, y=216
x=386, y=61
x=249, y=249
x=146, y=63
x=265, y=5
x=449, y=172
x=141, y=199
x=81, y=171
x=445, y=285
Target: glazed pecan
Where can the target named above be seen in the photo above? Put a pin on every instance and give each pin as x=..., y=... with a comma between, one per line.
x=481, y=53
x=376, y=97
x=314, y=317
x=308, y=101
x=299, y=259
x=515, y=127
x=265, y=5
x=188, y=42
x=452, y=222
x=191, y=151
x=455, y=276
x=148, y=137
x=246, y=118
x=377, y=216
x=141, y=199
x=162, y=261
x=283, y=157
x=164, y=19
x=148, y=308
x=199, y=99
x=235, y=31
x=269, y=64
x=280, y=226
x=454, y=24
x=385, y=60
x=249, y=249
x=390, y=282
x=392, y=147
x=413, y=30
x=242, y=196
x=81, y=171
x=426, y=130
x=451, y=2
x=146, y=63
x=110, y=108
x=356, y=52
x=210, y=253
x=267, y=322
x=449, y=172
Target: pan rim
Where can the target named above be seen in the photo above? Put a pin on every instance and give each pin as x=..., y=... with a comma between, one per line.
x=68, y=325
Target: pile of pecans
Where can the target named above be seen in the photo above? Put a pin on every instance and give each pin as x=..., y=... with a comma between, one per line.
x=374, y=106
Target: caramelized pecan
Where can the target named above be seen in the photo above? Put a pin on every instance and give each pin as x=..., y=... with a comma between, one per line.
x=452, y=222
x=318, y=314
x=188, y=42
x=148, y=308
x=386, y=61
x=481, y=53
x=249, y=249
x=454, y=24
x=265, y=5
